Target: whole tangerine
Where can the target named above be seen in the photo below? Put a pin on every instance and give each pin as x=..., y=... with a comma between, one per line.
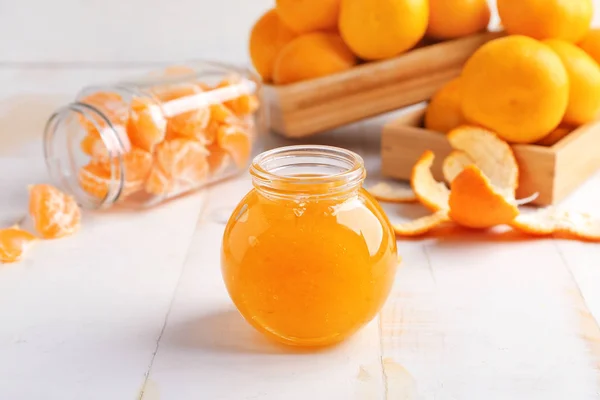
x=547, y=19
x=516, y=87
x=450, y=19
x=378, y=29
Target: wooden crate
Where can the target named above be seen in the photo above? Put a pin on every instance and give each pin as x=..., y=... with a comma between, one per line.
x=553, y=171
x=308, y=107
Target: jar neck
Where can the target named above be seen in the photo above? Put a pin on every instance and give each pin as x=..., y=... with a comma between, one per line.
x=308, y=172
x=62, y=137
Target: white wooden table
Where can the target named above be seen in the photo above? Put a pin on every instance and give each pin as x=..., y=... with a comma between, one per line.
x=133, y=306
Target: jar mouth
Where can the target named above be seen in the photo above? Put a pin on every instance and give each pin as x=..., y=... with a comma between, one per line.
x=307, y=169
x=64, y=130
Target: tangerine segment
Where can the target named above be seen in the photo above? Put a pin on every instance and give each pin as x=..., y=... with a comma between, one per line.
x=431, y=193
x=454, y=164
x=180, y=164
x=95, y=178
x=110, y=104
x=13, y=243
x=218, y=159
x=236, y=141
x=421, y=226
x=54, y=213
x=491, y=154
x=392, y=193
x=147, y=125
x=551, y=221
x=475, y=203
x=94, y=146
x=244, y=104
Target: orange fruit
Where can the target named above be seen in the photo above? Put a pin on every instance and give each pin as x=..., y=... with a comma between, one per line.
x=474, y=202
x=54, y=213
x=147, y=125
x=267, y=37
x=243, y=105
x=591, y=44
x=218, y=159
x=94, y=147
x=450, y=19
x=555, y=136
x=547, y=19
x=304, y=16
x=584, y=78
x=179, y=164
x=378, y=29
x=516, y=87
x=327, y=53
x=110, y=104
x=13, y=244
x=236, y=141
x=444, y=111
x=95, y=178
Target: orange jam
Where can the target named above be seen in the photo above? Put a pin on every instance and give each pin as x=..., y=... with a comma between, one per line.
x=308, y=257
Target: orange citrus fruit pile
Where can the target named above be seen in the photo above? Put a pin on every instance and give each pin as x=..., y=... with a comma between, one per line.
x=300, y=40
x=53, y=214
x=534, y=85
x=482, y=176
x=176, y=138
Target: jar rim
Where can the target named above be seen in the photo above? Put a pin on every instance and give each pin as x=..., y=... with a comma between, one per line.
x=349, y=170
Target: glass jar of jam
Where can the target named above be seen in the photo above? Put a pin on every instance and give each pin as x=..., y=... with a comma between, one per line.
x=156, y=136
x=308, y=256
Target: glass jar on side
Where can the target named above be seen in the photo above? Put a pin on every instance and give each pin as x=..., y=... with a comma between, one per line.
x=308, y=256
x=141, y=141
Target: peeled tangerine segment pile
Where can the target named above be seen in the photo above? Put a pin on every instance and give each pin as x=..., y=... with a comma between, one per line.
x=475, y=203
x=13, y=244
x=54, y=213
x=180, y=164
x=392, y=193
x=95, y=177
x=551, y=221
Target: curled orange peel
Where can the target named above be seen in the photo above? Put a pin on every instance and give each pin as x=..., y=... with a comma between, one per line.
x=421, y=226
x=431, y=193
x=491, y=154
x=392, y=193
x=454, y=163
x=475, y=203
x=552, y=221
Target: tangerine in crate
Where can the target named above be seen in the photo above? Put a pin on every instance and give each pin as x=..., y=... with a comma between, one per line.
x=154, y=137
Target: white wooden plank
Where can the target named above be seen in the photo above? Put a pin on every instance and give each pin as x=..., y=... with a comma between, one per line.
x=209, y=351
x=80, y=316
x=477, y=315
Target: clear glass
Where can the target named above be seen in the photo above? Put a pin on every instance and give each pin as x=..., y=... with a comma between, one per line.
x=308, y=256
x=141, y=141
